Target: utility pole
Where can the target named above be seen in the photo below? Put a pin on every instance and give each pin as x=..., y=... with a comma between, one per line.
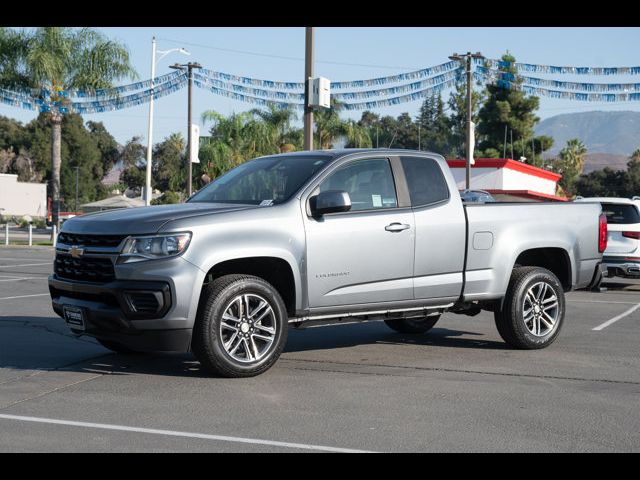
x=466, y=58
x=189, y=66
x=308, y=74
x=77, y=184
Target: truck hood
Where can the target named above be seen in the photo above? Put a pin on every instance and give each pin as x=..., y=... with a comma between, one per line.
x=143, y=220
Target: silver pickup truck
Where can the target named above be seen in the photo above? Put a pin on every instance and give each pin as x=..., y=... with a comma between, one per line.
x=320, y=237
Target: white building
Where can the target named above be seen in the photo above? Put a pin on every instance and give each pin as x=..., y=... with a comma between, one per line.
x=508, y=180
x=22, y=198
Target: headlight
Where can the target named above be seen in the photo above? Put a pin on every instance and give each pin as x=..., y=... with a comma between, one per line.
x=137, y=249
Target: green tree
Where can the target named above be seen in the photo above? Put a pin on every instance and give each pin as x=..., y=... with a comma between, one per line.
x=278, y=120
x=570, y=165
x=60, y=59
x=169, y=164
x=329, y=127
x=601, y=183
x=105, y=142
x=78, y=148
x=513, y=110
x=435, y=127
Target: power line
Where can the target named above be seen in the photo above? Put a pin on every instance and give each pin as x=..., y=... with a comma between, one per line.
x=284, y=57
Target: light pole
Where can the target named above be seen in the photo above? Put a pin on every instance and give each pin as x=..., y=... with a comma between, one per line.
x=189, y=66
x=163, y=53
x=467, y=59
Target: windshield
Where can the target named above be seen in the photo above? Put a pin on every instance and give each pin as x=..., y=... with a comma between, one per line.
x=263, y=181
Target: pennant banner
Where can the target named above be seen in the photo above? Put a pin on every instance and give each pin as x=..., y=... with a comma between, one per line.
x=400, y=99
x=346, y=106
x=530, y=67
x=423, y=73
x=583, y=97
x=119, y=103
x=299, y=97
x=542, y=82
x=111, y=92
x=245, y=98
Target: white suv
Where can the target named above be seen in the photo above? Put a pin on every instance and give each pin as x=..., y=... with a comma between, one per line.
x=622, y=256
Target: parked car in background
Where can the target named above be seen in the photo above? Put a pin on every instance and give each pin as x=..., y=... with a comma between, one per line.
x=477, y=196
x=622, y=256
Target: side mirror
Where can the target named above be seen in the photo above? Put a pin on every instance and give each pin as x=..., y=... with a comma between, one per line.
x=330, y=201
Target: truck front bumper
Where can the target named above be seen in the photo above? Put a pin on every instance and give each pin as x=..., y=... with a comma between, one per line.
x=118, y=310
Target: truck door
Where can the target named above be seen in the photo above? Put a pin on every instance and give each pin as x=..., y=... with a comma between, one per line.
x=365, y=255
x=440, y=230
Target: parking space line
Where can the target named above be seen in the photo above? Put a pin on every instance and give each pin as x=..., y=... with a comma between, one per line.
x=616, y=318
x=24, y=296
x=599, y=301
x=26, y=265
x=172, y=433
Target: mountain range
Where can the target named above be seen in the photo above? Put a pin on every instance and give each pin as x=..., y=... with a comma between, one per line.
x=610, y=137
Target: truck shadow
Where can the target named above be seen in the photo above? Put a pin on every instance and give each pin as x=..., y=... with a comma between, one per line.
x=52, y=348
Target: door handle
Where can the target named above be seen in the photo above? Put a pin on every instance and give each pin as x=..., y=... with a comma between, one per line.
x=397, y=227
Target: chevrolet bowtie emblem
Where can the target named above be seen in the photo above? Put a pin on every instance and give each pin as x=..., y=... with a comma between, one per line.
x=76, y=252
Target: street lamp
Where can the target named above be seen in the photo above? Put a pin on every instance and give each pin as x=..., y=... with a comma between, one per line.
x=163, y=53
x=189, y=66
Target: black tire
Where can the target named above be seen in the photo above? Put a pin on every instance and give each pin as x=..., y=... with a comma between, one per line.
x=510, y=320
x=115, y=346
x=413, y=325
x=207, y=343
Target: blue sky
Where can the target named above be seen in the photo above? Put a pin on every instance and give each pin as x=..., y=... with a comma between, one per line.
x=345, y=53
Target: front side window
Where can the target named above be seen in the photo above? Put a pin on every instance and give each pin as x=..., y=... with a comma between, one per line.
x=369, y=183
x=425, y=181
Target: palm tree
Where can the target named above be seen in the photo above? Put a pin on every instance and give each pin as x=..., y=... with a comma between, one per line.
x=59, y=59
x=329, y=126
x=572, y=158
x=279, y=119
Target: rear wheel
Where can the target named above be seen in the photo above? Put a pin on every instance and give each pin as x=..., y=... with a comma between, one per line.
x=241, y=327
x=413, y=325
x=533, y=309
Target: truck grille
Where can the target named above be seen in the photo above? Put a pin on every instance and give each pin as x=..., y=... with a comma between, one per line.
x=91, y=240
x=84, y=269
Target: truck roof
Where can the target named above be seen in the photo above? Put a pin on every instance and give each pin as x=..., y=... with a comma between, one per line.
x=341, y=152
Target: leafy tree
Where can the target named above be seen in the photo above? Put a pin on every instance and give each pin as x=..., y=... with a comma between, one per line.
x=435, y=128
x=60, y=59
x=513, y=109
x=167, y=198
x=601, y=183
x=170, y=171
x=570, y=164
x=329, y=127
x=106, y=144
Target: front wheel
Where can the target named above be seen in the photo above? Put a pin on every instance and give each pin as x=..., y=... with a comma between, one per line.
x=241, y=328
x=533, y=310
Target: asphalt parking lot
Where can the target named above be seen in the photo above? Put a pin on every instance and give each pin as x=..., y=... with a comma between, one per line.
x=337, y=388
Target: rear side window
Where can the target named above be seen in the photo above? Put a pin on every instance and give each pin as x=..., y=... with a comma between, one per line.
x=425, y=181
x=620, y=213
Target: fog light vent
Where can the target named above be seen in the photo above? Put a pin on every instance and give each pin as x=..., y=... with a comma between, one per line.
x=144, y=301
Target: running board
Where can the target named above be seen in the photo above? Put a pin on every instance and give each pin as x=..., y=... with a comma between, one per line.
x=365, y=316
